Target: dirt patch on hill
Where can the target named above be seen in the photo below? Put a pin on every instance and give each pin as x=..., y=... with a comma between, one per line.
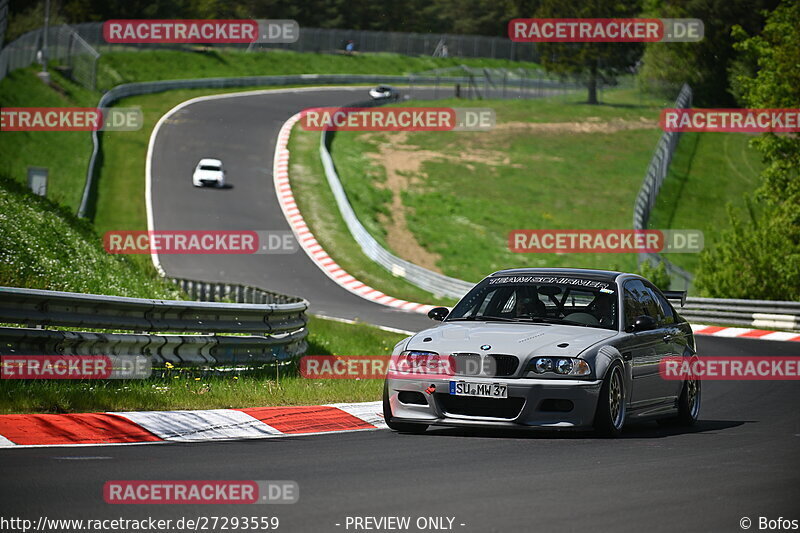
x=403, y=163
x=590, y=125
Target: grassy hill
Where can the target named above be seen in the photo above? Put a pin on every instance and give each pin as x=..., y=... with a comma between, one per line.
x=44, y=246
x=554, y=163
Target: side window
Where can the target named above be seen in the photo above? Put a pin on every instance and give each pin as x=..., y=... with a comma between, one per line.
x=666, y=309
x=631, y=306
x=639, y=300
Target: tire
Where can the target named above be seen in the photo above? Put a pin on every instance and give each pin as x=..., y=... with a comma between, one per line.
x=401, y=427
x=610, y=415
x=688, y=405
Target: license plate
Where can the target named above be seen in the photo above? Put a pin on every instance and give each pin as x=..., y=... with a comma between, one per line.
x=481, y=390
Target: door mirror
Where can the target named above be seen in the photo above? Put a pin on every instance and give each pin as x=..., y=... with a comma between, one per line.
x=438, y=313
x=642, y=323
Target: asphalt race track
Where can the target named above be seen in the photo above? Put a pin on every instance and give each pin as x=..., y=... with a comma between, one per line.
x=740, y=460
x=242, y=132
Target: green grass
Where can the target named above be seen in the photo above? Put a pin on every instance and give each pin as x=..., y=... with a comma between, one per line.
x=124, y=67
x=318, y=206
x=194, y=389
x=462, y=210
x=708, y=172
x=44, y=246
x=64, y=153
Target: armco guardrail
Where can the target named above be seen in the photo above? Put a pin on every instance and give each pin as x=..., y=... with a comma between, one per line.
x=175, y=331
x=134, y=89
x=656, y=173
x=760, y=314
x=433, y=282
x=211, y=291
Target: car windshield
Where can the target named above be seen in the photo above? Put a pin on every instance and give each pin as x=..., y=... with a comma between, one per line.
x=541, y=299
x=209, y=167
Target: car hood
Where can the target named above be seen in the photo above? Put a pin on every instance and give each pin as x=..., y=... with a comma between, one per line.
x=515, y=339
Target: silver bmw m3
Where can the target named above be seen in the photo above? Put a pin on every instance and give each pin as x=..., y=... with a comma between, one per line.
x=546, y=348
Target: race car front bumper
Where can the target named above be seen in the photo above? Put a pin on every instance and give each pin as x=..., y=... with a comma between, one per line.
x=531, y=403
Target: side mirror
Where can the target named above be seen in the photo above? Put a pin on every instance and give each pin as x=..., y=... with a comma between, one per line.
x=438, y=313
x=642, y=323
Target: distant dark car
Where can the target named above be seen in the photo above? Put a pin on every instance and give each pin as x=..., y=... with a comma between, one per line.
x=384, y=92
x=546, y=348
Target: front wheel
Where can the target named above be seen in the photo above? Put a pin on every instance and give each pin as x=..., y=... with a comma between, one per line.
x=610, y=415
x=402, y=427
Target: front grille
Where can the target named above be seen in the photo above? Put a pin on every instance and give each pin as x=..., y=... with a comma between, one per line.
x=508, y=408
x=491, y=365
x=506, y=365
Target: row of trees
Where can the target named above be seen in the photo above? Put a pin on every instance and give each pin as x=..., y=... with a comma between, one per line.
x=759, y=256
x=705, y=65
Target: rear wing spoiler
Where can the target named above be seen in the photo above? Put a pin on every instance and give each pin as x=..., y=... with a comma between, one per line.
x=679, y=296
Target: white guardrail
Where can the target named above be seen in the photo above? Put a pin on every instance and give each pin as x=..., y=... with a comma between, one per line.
x=181, y=332
x=751, y=313
x=433, y=282
x=759, y=314
x=654, y=178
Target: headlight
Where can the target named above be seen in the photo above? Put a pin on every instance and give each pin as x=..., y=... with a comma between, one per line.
x=417, y=354
x=565, y=366
x=421, y=362
x=543, y=364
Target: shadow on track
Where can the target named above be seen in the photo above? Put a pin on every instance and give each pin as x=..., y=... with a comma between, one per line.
x=643, y=430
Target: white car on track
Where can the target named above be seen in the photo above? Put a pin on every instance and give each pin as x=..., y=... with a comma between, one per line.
x=384, y=92
x=209, y=172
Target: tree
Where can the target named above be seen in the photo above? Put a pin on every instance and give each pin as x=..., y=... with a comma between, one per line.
x=705, y=64
x=593, y=61
x=657, y=275
x=760, y=258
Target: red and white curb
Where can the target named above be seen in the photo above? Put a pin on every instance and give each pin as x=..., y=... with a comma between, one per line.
x=745, y=333
x=92, y=429
x=283, y=189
